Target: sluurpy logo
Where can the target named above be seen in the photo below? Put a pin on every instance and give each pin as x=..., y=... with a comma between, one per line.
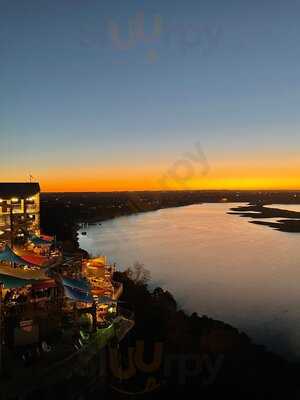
x=140, y=376
x=152, y=34
x=163, y=35
x=189, y=166
x=136, y=34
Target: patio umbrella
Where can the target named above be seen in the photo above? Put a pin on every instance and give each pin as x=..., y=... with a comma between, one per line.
x=12, y=282
x=77, y=289
x=38, y=241
x=7, y=255
x=78, y=295
x=78, y=284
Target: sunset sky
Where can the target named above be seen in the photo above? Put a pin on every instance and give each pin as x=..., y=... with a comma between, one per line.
x=125, y=95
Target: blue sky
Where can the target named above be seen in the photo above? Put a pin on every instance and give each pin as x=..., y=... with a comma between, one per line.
x=77, y=91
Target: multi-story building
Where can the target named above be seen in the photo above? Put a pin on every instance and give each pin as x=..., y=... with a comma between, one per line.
x=19, y=211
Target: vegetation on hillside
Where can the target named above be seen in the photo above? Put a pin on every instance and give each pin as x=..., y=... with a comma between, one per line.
x=209, y=355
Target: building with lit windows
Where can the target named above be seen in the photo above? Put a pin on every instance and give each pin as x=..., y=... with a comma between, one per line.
x=19, y=212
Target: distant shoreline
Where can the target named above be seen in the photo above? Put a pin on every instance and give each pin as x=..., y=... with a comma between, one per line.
x=75, y=208
x=288, y=221
x=96, y=221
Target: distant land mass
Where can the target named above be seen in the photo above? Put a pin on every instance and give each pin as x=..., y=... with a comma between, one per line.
x=289, y=223
x=63, y=212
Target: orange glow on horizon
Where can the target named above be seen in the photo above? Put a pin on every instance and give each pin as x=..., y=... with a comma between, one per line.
x=219, y=176
x=214, y=180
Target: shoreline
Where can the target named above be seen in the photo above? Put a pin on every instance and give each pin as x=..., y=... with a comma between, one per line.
x=288, y=221
x=99, y=220
x=245, y=210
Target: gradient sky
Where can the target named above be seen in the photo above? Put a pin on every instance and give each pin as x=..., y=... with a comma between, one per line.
x=87, y=105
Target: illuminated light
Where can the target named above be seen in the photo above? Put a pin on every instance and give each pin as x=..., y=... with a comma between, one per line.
x=2, y=233
x=1, y=200
x=30, y=199
x=14, y=199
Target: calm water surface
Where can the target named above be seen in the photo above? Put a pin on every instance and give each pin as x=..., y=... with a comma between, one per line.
x=216, y=264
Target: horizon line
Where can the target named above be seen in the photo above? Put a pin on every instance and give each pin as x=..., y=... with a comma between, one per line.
x=173, y=190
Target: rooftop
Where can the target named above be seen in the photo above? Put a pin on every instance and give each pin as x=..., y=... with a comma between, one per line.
x=23, y=189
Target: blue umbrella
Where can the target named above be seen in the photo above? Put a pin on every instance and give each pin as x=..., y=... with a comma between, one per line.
x=7, y=255
x=39, y=241
x=78, y=295
x=12, y=282
x=79, y=284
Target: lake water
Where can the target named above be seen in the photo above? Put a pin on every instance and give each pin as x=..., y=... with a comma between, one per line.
x=215, y=264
